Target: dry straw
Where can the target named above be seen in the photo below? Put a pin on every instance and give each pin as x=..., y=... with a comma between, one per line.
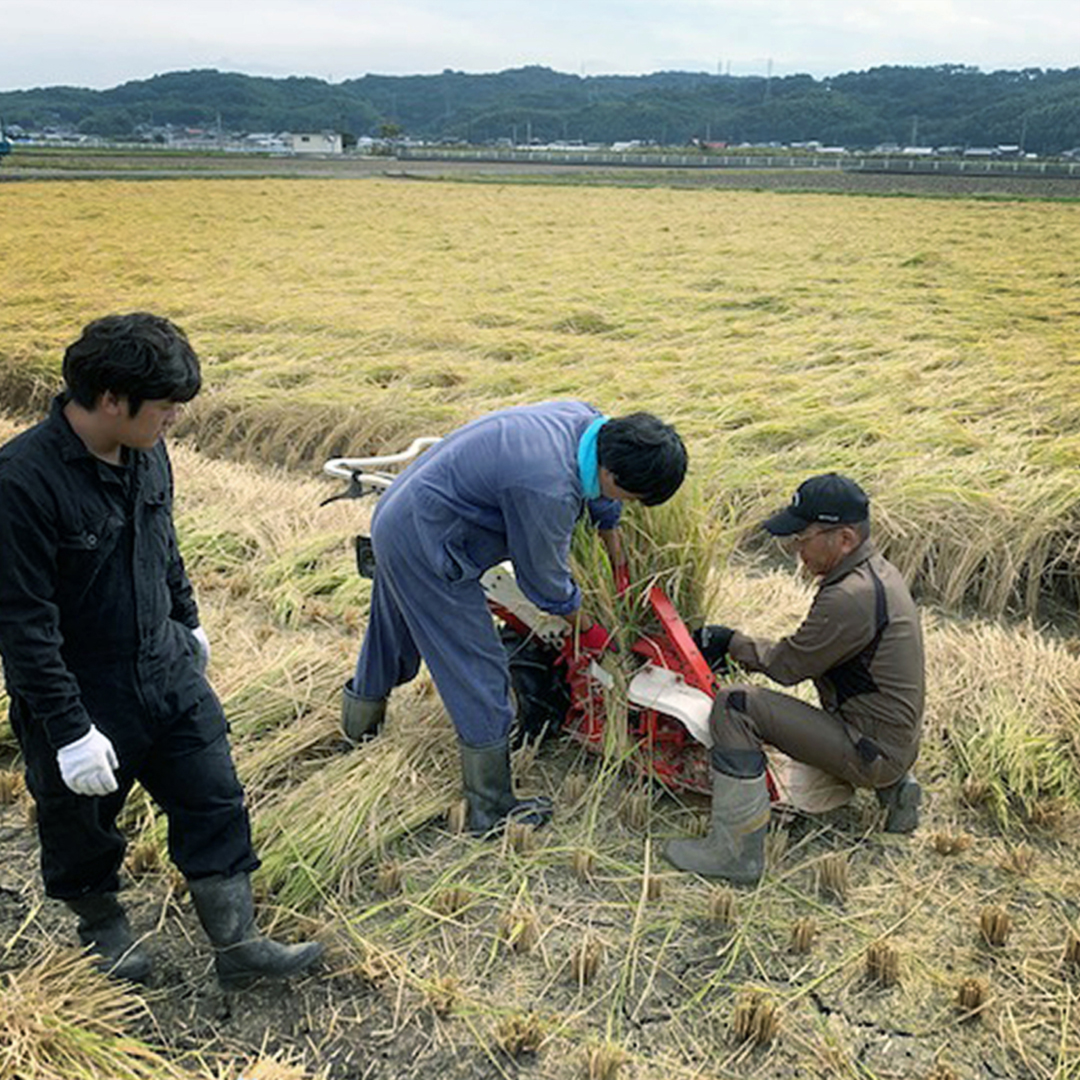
x=62, y=1020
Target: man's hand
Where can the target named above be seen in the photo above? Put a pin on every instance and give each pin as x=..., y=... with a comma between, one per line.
x=87, y=764
x=714, y=641
x=202, y=643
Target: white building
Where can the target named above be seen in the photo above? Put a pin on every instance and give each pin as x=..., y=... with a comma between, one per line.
x=323, y=142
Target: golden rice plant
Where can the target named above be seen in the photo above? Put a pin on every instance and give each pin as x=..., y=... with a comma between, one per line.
x=721, y=908
x=1011, y=738
x=457, y=817
x=143, y=857
x=605, y=1060
x=585, y=959
x=574, y=787
x=520, y=1033
x=519, y=928
x=273, y=1067
x=803, y=933
x=971, y=997
x=451, y=901
x=1019, y=860
x=443, y=994
x=755, y=1019
x=12, y=786
x=941, y=1071
x=994, y=925
x=831, y=875
x=1072, y=950
x=946, y=842
x=60, y=1019
x=584, y=864
x=519, y=837
x=316, y=838
x=388, y=878
x=883, y=964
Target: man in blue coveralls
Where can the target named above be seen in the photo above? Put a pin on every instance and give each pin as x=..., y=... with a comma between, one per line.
x=509, y=485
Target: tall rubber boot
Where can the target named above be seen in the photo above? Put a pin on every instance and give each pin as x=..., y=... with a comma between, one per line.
x=241, y=954
x=901, y=802
x=489, y=791
x=361, y=717
x=104, y=929
x=735, y=846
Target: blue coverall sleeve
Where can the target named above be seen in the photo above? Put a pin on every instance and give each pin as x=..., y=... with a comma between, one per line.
x=604, y=513
x=539, y=527
x=30, y=636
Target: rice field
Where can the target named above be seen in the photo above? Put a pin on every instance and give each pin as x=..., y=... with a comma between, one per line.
x=926, y=347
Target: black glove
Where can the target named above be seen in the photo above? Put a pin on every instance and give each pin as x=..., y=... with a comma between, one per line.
x=714, y=641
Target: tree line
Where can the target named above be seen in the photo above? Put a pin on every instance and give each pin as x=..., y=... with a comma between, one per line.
x=945, y=105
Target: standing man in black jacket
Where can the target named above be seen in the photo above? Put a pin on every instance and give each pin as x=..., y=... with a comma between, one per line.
x=104, y=657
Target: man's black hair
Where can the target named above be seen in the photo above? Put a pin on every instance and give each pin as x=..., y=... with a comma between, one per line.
x=645, y=455
x=141, y=357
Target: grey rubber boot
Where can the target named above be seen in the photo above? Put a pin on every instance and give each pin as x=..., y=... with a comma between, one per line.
x=489, y=791
x=735, y=847
x=105, y=930
x=901, y=802
x=361, y=718
x=227, y=912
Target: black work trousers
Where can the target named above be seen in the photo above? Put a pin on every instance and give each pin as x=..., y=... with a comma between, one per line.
x=169, y=734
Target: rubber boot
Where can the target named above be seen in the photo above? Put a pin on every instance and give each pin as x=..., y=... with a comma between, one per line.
x=489, y=791
x=735, y=846
x=105, y=930
x=901, y=802
x=361, y=718
x=227, y=912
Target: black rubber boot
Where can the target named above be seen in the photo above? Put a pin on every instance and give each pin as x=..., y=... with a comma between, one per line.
x=735, y=847
x=227, y=912
x=105, y=930
x=361, y=718
x=901, y=802
x=489, y=791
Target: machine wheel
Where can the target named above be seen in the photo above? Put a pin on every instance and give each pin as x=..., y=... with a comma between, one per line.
x=541, y=696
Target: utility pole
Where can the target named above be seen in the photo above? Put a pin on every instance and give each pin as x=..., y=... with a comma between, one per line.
x=914, y=131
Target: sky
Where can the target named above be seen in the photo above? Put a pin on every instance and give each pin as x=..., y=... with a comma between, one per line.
x=103, y=43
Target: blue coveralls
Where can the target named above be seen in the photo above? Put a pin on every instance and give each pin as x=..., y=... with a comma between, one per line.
x=505, y=486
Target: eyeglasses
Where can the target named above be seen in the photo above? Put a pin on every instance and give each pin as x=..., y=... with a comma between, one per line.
x=796, y=540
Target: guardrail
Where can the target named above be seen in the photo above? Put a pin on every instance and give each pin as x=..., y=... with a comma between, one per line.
x=836, y=162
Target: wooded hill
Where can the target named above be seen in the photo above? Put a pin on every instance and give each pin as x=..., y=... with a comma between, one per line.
x=946, y=105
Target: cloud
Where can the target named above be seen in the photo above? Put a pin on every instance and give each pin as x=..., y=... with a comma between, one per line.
x=105, y=42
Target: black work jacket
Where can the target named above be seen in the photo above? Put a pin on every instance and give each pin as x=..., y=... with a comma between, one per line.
x=91, y=577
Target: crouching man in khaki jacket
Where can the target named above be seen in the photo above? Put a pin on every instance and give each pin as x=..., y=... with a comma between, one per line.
x=861, y=644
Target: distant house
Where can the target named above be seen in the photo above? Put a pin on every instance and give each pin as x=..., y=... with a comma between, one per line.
x=323, y=142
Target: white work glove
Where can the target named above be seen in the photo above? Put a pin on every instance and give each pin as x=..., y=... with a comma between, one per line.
x=203, y=644
x=87, y=764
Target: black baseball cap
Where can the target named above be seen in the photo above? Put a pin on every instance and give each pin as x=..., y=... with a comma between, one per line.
x=829, y=499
